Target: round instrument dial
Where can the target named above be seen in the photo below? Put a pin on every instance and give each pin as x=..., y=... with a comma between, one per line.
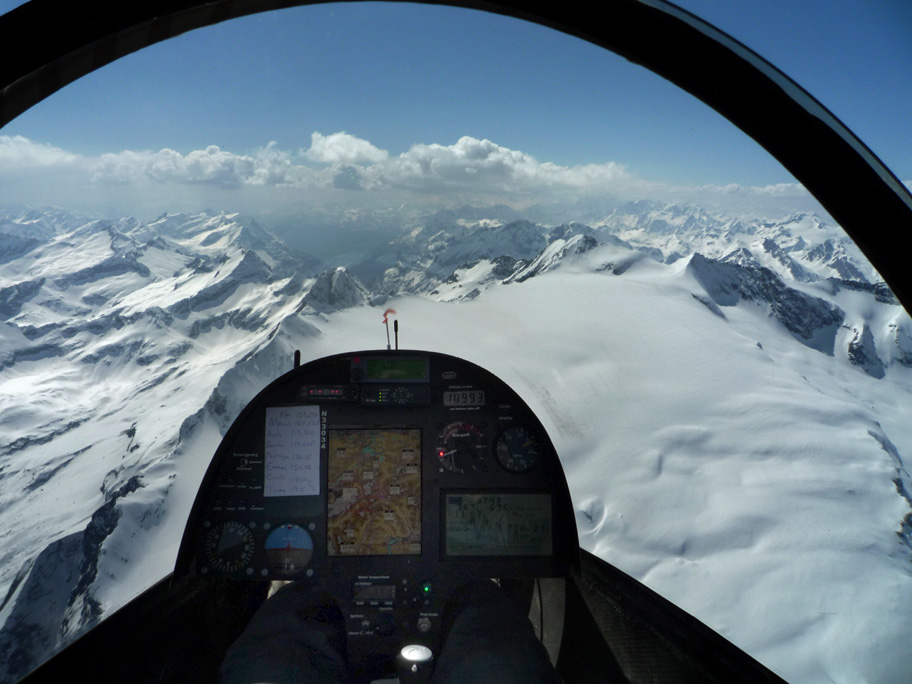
x=519, y=449
x=229, y=546
x=462, y=448
x=289, y=549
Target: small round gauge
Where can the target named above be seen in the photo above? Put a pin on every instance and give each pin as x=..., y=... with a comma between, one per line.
x=229, y=546
x=519, y=449
x=289, y=549
x=462, y=448
x=399, y=395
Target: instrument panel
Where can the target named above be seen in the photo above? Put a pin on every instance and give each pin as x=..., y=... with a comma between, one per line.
x=390, y=477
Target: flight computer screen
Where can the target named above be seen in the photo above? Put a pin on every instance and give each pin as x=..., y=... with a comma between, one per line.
x=374, y=492
x=396, y=369
x=497, y=524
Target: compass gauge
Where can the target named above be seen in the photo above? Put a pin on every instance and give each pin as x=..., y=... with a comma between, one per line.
x=229, y=546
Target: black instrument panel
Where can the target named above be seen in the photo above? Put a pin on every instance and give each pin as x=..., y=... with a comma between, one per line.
x=390, y=477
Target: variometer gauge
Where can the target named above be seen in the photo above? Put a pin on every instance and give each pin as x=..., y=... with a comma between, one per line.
x=229, y=546
x=519, y=449
x=462, y=448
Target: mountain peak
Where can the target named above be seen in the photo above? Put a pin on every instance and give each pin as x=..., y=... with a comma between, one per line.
x=336, y=289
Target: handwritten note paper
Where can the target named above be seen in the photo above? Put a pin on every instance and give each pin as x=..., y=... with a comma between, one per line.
x=292, y=451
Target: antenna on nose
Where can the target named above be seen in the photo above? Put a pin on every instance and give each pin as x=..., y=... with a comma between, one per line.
x=386, y=323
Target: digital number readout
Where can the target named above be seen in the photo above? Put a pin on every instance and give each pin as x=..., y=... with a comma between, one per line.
x=464, y=398
x=374, y=592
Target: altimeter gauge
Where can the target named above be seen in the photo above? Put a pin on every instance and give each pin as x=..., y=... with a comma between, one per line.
x=519, y=449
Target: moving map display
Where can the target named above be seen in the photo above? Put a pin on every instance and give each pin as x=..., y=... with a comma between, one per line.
x=374, y=492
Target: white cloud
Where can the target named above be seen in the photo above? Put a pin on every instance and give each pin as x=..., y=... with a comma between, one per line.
x=212, y=166
x=775, y=190
x=268, y=166
x=19, y=152
x=343, y=148
x=483, y=166
x=273, y=166
x=469, y=170
x=469, y=165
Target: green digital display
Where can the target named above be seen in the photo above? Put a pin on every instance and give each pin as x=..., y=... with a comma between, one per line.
x=397, y=369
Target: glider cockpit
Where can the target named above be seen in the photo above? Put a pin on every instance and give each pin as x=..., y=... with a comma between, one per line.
x=390, y=478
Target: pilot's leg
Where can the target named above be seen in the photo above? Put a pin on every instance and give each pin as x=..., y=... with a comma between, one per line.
x=490, y=639
x=296, y=636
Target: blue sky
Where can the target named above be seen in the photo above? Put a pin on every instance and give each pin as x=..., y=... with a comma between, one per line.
x=407, y=83
x=854, y=56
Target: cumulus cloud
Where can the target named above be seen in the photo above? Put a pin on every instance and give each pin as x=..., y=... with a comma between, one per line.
x=268, y=166
x=468, y=170
x=468, y=165
x=473, y=164
x=273, y=166
x=19, y=152
x=343, y=148
x=212, y=166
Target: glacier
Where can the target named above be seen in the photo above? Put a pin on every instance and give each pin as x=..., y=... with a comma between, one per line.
x=729, y=397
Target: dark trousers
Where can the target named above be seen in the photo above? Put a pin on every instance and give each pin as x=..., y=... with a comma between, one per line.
x=298, y=637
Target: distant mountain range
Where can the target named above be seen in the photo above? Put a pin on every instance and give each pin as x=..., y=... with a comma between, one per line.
x=127, y=348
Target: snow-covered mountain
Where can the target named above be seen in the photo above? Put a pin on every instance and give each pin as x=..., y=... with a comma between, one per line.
x=730, y=398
